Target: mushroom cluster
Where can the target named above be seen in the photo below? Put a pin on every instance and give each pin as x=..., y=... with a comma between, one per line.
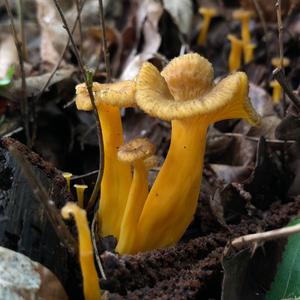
x=184, y=94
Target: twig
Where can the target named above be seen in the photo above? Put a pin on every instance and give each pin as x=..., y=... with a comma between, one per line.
x=87, y=75
x=94, y=230
x=78, y=4
x=279, y=75
x=41, y=195
x=75, y=177
x=255, y=139
x=265, y=236
x=280, y=44
x=24, y=100
x=22, y=27
x=104, y=43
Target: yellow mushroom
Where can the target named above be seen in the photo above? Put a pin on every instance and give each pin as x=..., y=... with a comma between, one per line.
x=91, y=288
x=80, y=188
x=276, y=62
x=244, y=16
x=67, y=177
x=134, y=152
x=277, y=91
x=184, y=94
x=235, y=55
x=208, y=13
x=117, y=174
x=249, y=52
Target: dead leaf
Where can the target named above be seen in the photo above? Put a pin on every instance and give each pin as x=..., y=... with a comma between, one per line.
x=8, y=54
x=182, y=13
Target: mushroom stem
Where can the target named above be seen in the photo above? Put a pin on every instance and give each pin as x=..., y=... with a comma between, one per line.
x=277, y=91
x=249, y=52
x=189, y=148
x=234, y=60
x=67, y=177
x=91, y=287
x=136, y=199
x=80, y=188
x=117, y=174
x=207, y=13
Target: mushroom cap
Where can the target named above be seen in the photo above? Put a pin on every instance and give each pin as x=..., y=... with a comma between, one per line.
x=121, y=94
x=188, y=76
x=80, y=186
x=210, y=11
x=136, y=149
x=276, y=62
x=240, y=14
x=227, y=100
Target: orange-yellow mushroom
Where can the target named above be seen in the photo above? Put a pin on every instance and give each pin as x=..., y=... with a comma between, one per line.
x=208, y=13
x=277, y=91
x=117, y=174
x=276, y=62
x=91, y=288
x=244, y=16
x=67, y=177
x=184, y=94
x=80, y=188
x=134, y=152
x=235, y=55
x=249, y=52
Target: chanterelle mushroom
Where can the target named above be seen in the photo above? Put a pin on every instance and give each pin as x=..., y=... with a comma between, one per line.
x=184, y=94
x=117, y=175
x=134, y=152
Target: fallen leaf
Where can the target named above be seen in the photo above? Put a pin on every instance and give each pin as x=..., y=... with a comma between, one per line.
x=182, y=13
x=8, y=56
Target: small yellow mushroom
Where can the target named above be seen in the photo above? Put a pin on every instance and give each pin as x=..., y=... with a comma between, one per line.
x=244, y=16
x=80, y=188
x=67, y=177
x=208, y=13
x=172, y=200
x=277, y=91
x=249, y=52
x=117, y=174
x=91, y=288
x=134, y=152
x=235, y=55
x=276, y=62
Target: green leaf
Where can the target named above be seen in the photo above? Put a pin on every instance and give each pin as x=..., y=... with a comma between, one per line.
x=286, y=284
x=8, y=77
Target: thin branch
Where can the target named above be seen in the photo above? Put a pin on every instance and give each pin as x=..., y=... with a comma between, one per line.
x=94, y=231
x=78, y=4
x=255, y=139
x=265, y=236
x=279, y=75
x=104, y=43
x=75, y=177
x=42, y=196
x=89, y=85
x=24, y=100
x=22, y=27
x=280, y=44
